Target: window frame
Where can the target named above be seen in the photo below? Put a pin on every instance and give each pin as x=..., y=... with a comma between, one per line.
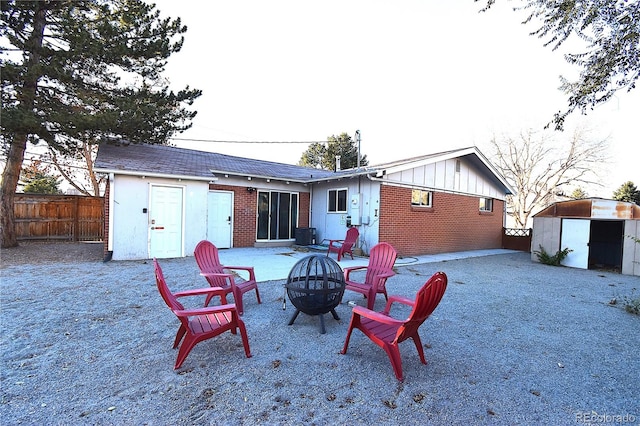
x=485, y=204
x=419, y=204
x=334, y=201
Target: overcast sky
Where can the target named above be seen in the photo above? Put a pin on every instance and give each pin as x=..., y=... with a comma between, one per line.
x=414, y=76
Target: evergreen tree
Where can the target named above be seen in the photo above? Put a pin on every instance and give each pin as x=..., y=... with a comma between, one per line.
x=323, y=156
x=610, y=58
x=38, y=179
x=578, y=194
x=78, y=72
x=627, y=192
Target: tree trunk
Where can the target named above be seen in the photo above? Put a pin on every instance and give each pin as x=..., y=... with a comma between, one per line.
x=10, y=177
x=26, y=99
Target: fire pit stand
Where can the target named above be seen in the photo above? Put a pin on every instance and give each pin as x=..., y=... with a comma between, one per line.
x=315, y=286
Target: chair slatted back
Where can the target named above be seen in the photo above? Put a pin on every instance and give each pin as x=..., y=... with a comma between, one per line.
x=206, y=254
x=381, y=259
x=167, y=296
x=350, y=239
x=427, y=300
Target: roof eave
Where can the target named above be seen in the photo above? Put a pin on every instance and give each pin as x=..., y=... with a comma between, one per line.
x=254, y=176
x=157, y=175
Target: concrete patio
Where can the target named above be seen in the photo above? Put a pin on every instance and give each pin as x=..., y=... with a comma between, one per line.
x=274, y=263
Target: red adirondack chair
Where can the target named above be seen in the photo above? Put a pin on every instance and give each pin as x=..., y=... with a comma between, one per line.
x=381, y=259
x=200, y=324
x=216, y=274
x=345, y=246
x=388, y=332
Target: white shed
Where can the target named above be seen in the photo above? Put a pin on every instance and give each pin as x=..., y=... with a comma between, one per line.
x=601, y=234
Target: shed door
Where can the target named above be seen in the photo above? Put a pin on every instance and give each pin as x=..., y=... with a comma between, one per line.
x=165, y=221
x=219, y=218
x=575, y=236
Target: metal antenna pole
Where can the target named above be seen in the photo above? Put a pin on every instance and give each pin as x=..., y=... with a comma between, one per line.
x=358, y=140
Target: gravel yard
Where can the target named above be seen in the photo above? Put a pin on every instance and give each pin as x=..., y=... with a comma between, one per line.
x=512, y=342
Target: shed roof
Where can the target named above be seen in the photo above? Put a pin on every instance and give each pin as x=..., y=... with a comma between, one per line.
x=596, y=208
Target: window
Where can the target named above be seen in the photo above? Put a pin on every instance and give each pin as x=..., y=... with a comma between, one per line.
x=486, y=204
x=421, y=198
x=337, y=201
x=277, y=215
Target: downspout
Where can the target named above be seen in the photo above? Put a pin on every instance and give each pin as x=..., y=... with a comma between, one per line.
x=109, y=253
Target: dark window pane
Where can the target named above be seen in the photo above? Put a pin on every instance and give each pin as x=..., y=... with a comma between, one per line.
x=283, y=216
x=263, y=215
x=332, y=200
x=342, y=200
x=294, y=215
x=273, y=228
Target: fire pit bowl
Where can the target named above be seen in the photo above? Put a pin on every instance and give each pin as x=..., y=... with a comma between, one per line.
x=315, y=286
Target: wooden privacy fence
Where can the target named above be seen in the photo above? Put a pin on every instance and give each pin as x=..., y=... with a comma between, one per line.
x=517, y=239
x=58, y=217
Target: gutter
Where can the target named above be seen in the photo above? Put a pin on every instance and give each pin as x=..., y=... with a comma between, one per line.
x=431, y=188
x=157, y=175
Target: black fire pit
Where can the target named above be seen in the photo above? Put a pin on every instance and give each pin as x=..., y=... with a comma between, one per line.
x=315, y=286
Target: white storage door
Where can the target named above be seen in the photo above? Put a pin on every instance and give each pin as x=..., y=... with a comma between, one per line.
x=575, y=236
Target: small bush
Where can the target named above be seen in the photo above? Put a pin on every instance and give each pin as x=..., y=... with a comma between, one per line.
x=554, y=260
x=632, y=304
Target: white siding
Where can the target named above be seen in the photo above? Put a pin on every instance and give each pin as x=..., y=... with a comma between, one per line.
x=331, y=226
x=442, y=175
x=131, y=224
x=631, y=248
x=546, y=233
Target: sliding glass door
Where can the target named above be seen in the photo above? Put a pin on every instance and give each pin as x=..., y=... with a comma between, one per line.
x=277, y=215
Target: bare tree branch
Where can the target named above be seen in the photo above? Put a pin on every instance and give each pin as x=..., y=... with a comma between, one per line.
x=539, y=166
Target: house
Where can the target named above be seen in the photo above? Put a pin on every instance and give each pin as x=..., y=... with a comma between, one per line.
x=600, y=233
x=161, y=200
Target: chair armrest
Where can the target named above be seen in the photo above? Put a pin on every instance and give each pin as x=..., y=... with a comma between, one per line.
x=200, y=291
x=230, y=307
x=217, y=274
x=249, y=269
x=381, y=277
x=399, y=299
x=385, y=274
x=350, y=269
x=376, y=316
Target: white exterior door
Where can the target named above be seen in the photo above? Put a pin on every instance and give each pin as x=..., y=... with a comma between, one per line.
x=575, y=236
x=166, y=221
x=219, y=218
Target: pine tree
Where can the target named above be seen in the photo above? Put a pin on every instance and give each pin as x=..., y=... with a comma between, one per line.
x=627, y=192
x=78, y=72
x=608, y=32
x=321, y=155
x=38, y=179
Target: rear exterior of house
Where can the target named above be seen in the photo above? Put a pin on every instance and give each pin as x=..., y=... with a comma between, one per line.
x=453, y=223
x=161, y=201
x=440, y=203
x=165, y=218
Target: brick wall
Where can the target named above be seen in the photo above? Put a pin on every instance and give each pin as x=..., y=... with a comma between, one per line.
x=304, y=201
x=454, y=223
x=245, y=213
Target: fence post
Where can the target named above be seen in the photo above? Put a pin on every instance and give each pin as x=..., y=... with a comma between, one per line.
x=76, y=221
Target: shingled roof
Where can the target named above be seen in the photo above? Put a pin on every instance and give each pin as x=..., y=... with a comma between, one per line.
x=164, y=161
x=172, y=161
